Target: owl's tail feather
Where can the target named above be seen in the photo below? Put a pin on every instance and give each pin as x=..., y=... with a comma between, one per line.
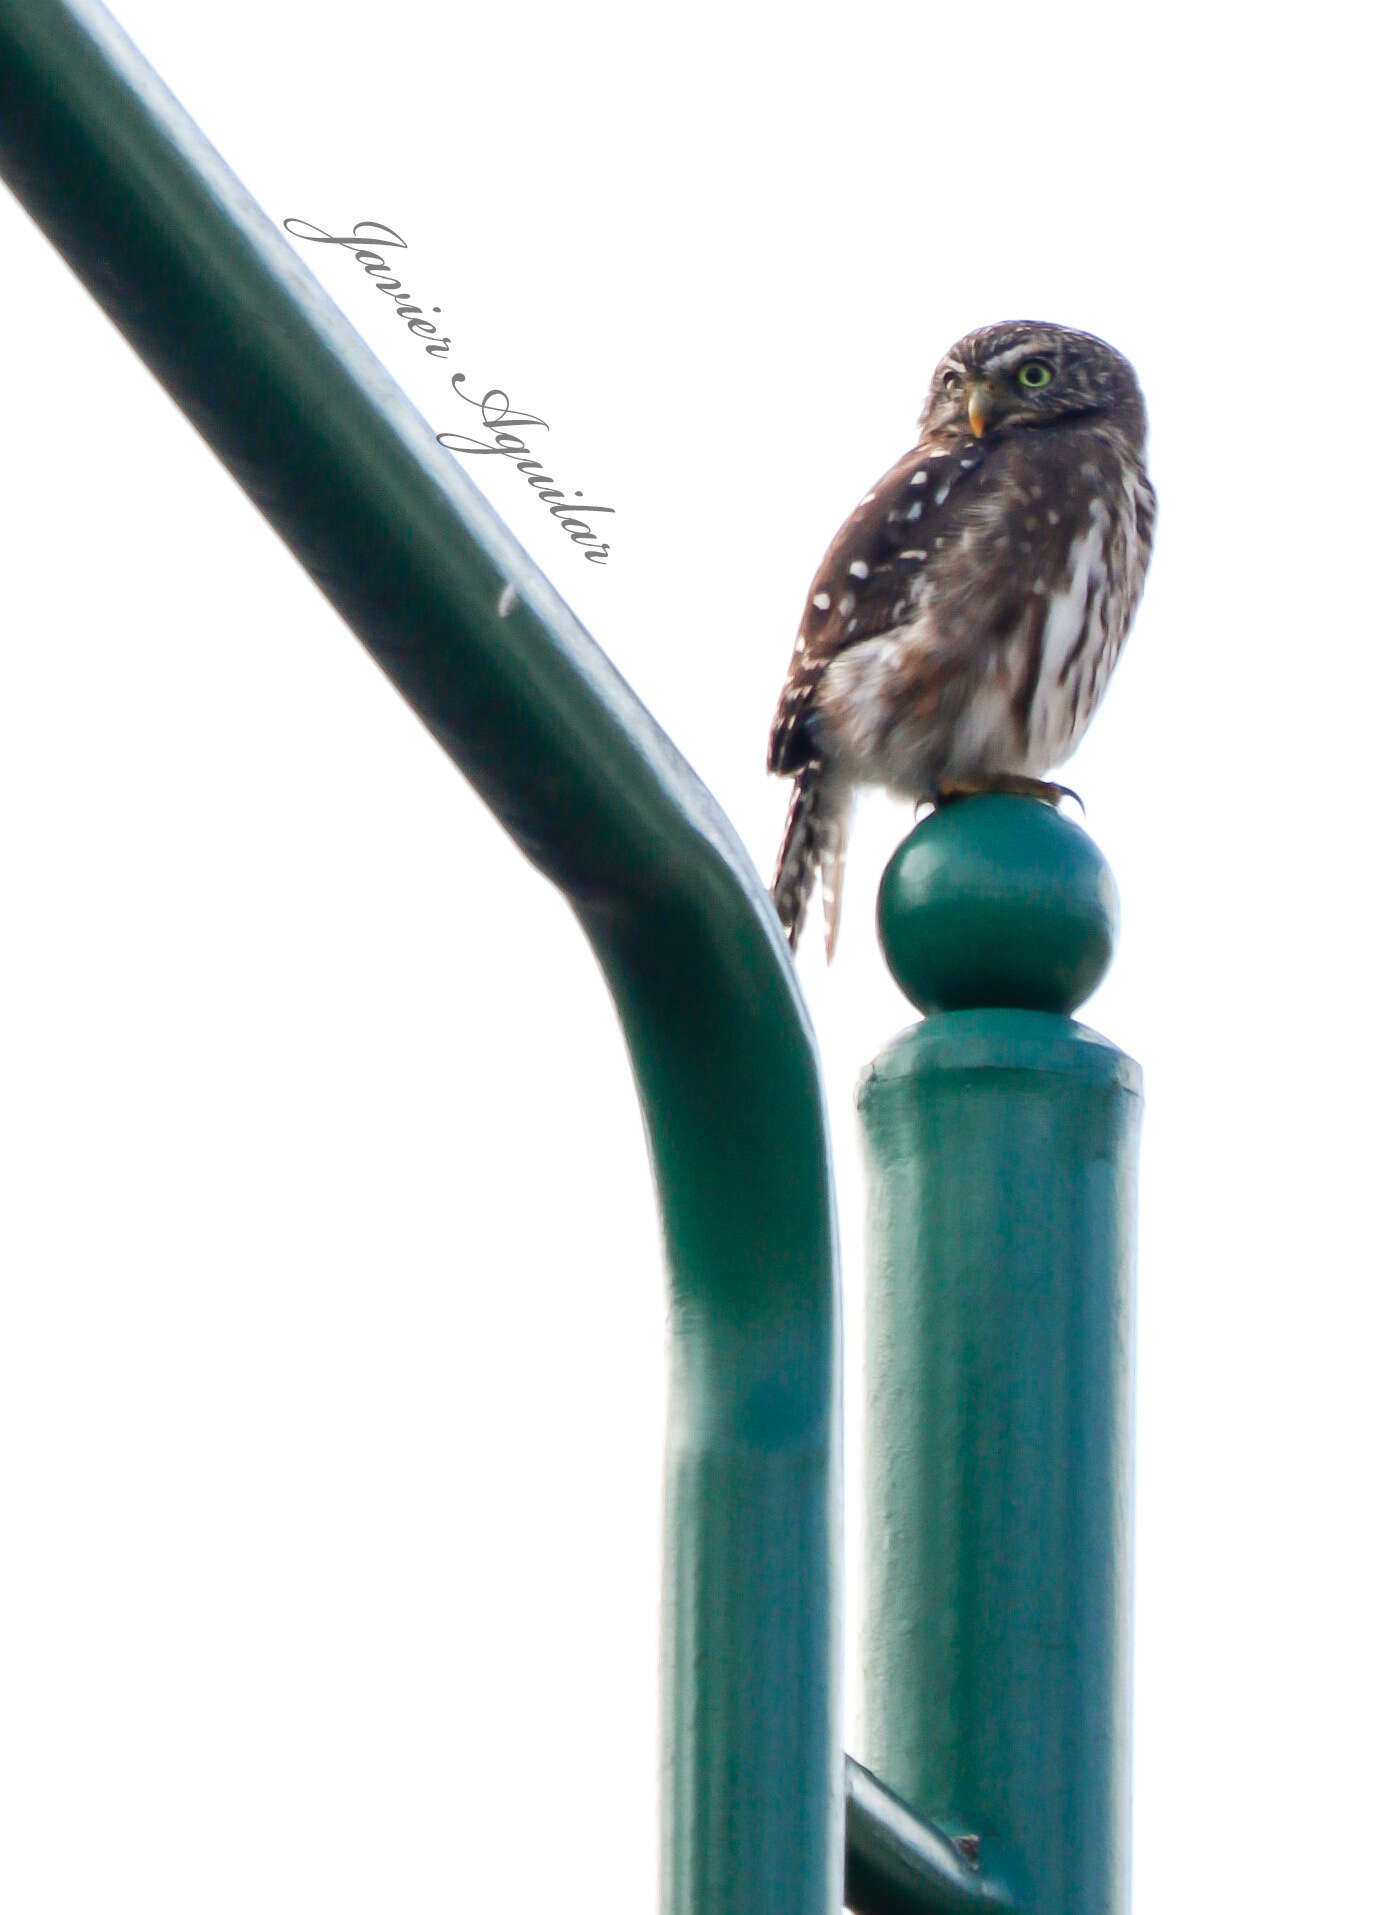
x=813, y=844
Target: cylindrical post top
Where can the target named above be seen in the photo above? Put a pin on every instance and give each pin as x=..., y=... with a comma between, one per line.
x=994, y=902
x=1001, y=1139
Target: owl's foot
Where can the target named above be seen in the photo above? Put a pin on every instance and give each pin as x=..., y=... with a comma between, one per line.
x=1008, y=783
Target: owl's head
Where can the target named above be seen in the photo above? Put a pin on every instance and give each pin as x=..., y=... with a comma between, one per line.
x=1023, y=373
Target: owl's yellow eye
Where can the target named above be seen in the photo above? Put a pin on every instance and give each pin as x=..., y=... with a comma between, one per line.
x=1035, y=375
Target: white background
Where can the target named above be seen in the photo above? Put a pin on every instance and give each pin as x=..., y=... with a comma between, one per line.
x=330, y=1364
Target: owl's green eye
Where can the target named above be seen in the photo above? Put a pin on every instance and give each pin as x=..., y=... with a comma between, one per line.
x=1034, y=375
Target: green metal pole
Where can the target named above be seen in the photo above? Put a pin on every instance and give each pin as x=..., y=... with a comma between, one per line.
x=455, y=613
x=1002, y=1141
x=898, y=1864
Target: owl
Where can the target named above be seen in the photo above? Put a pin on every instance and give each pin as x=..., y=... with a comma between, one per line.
x=967, y=617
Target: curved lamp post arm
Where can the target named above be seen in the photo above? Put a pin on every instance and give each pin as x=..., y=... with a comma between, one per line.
x=896, y=1863
x=212, y=298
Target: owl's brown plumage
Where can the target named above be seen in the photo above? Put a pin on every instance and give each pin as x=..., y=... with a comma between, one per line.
x=967, y=616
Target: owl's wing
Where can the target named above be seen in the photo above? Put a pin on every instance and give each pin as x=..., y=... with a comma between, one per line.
x=868, y=580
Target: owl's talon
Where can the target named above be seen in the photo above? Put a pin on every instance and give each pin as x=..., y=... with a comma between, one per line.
x=1010, y=785
x=1053, y=794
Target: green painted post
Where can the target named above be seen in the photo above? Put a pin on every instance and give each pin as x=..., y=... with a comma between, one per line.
x=462, y=622
x=1002, y=1139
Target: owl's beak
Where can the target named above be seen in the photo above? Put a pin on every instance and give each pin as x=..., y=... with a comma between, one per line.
x=982, y=406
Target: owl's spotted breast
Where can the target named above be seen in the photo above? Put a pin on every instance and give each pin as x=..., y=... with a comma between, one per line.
x=966, y=618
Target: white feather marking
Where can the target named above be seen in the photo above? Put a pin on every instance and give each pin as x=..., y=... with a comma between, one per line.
x=1052, y=727
x=833, y=866
x=862, y=688
x=1024, y=349
x=984, y=731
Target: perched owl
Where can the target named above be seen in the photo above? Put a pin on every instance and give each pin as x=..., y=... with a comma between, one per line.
x=963, y=625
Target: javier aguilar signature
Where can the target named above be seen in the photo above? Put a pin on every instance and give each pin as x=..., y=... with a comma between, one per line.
x=496, y=416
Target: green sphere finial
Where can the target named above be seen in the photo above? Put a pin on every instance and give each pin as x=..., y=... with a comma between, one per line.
x=998, y=901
